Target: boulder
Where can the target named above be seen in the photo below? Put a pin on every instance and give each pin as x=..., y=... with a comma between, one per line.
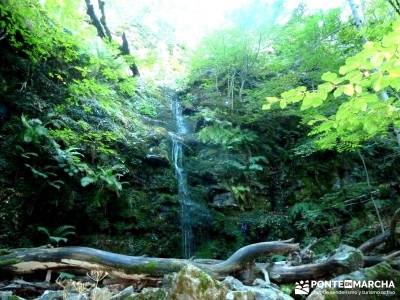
x=124, y=294
x=157, y=160
x=191, y=283
x=8, y=295
x=224, y=200
x=348, y=258
x=239, y=291
x=151, y=294
x=61, y=295
x=100, y=294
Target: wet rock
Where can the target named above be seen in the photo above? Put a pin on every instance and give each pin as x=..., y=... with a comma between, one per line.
x=349, y=258
x=224, y=200
x=239, y=291
x=151, y=294
x=380, y=272
x=61, y=295
x=8, y=295
x=51, y=295
x=100, y=294
x=191, y=283
x=124, y=294
x=242, y=295
x=157, y=160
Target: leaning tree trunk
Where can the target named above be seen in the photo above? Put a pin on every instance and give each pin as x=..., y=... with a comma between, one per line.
x=104, y=32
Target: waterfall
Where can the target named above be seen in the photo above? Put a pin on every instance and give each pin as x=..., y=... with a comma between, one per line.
x=184, y=196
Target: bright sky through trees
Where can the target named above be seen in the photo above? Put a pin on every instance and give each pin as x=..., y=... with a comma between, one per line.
x=192, y=19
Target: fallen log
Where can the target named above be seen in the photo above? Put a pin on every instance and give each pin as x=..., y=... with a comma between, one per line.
x=29, y=260
x=376, y=259
x=346, y=259
x=372, y=243
x=389, y=236
x=24, y=261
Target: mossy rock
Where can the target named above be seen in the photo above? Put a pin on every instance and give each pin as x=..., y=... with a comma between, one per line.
x=349, y=258
x=191, y=283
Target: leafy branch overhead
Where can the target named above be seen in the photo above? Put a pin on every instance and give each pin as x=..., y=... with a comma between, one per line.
x=360, y=88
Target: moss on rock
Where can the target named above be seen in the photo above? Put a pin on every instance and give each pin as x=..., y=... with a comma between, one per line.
x=192, y=283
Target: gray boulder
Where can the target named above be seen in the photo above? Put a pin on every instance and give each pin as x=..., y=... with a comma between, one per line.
x=8, y=295
x=224, y=200
x=239, y=291
x=124, y=294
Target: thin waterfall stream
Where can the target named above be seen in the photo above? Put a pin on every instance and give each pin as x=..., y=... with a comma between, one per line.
x=183, y=192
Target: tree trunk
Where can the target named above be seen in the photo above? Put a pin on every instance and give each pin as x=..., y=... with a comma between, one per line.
x=358, y=21
x=396, y=5
x=345, y=260
x=104, y=32
x=29, y=260
x=389, y=236
x=26, y=261
x=94, y=20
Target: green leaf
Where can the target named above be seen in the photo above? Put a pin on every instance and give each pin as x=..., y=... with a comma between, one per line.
x=64, y=230
x=317, y=118
x=311, y=100
x=28, y=137
x=348, y=89
x=338, y=92
x=354, y=77
x=377, y=59
x=329, y=76
x=326, y=87
x=40, y=130
x=294, y=95
x=43, y=230
x=37, y=172
x=25, y=121
x=57, y=239
x=377, y=84
x=266, y=106
x=85, y=181
x=270, y=102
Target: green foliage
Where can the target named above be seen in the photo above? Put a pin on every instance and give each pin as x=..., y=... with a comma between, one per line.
x=105, y=176
x=77, y=126
x=34, y=130
x=59, y=234
x=225, y=136
x=361, y=85
x=31, y=33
